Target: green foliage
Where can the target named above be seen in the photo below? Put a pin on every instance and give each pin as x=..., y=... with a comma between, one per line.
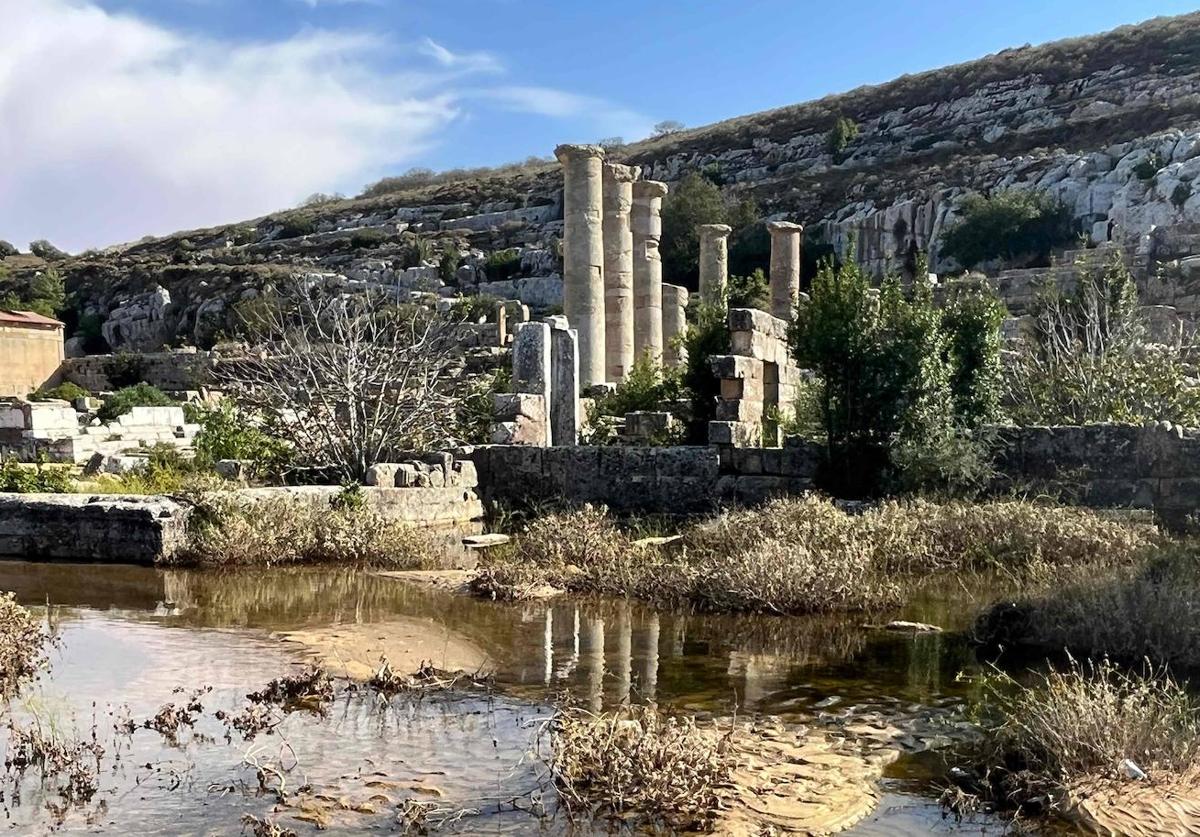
x=752, y=291
x=416, y=251
x=1088, y=360
x=477, y=410
x=125, y=369
x=228, y=433
x=43, y=294
x=90, y=328
x=474, y=308
x=750, y=242
x=65, y=391
x=296, y=227
x=43, y=249
x=503, y=264
x=971, y=320
x=840, y=136
x=448, y=264
x=644, y=388
x=1147, y=168
x=1008, y=225
x=1180, y=194
x=898, y=379
x=368, y=239
x=350, y=499
x=7, y=249
x=707, y=335
x=138, y=395
x=693, y=202
x=41, y=479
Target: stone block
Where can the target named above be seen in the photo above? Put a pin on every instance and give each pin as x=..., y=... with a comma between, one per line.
x=531, y=359
x=237, y=469
x=743, y=410
x=758, y=489
x=574, y=473
x=466, y=474
x=748, y=461
x=736, y=433
x=565, y=415
x=382, y=475
x=510, y=405
x=735, y=366
x=692, y=461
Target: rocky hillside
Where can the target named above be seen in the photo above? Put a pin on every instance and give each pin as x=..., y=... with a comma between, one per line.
x=1110, y=124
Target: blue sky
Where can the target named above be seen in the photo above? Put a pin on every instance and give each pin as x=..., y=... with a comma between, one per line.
x=166, y=114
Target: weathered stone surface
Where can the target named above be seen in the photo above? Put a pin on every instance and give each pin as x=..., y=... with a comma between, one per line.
x=714, y=262
x=787, y=242
x=566, y=416
x=77, y=527
x=675, y=303
x=583, y=254
x=647, y=268
x=618, y=270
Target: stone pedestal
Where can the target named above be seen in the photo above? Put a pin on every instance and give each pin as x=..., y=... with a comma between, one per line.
x=786, y=261
x=714, y=262
x=618, y=270
x=675, y=302
x=583, y=254
x=522, y=418
x=647, y=269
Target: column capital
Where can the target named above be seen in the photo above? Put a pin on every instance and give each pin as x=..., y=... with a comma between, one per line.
x=649, y=189
x=784, y=227
x=571, y=151
x=714, y=230
x=622, y=173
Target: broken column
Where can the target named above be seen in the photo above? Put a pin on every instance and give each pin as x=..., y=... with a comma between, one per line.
x=583, y=254
x=522, y=416
x=647, y=269
x=618, y=270
x=675, y=302
x=565, y=415
x=714, y=262
x=786, y=259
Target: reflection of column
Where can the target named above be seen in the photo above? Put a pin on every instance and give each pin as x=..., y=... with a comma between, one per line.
x=714, y=262
x=548, y=645
x=624, y=651
x=678, y=635
x=592, y=661
x=786, y=259
x=647, y=268
x=675, y=301
x=649, y=684
x=583, y=254
x=618, y=270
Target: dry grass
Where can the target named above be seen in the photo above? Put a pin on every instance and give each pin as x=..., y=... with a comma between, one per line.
x=1127, y=613
x=281, y=532
x=639, y=763
x=804, y=555
x=22, y=646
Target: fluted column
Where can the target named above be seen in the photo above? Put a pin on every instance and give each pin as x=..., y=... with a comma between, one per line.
x=675, y=302
x=583, y=254
x=647, y=268
x=714, y=262
x=786, y=260
x=618, y=270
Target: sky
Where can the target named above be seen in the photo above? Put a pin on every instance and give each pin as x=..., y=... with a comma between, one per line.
x=124, y=118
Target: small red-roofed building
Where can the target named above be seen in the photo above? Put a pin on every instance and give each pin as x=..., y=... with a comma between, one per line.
x=31, y=351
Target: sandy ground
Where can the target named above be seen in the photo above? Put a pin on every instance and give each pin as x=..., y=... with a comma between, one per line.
x=355, y=651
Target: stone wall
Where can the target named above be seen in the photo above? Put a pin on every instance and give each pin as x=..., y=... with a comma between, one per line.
x=78, y=527
x=680, y=479
x=170, y=371
x=1154, y=467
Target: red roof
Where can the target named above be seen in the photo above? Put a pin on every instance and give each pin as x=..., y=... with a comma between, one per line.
x=27, y=318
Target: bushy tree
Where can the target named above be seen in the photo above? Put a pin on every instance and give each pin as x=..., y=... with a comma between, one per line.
x=840, y=136
x=888, y=365
x=43, y=294
x=138, y=395
x=696, y=200
x=971, y=320
x=707, y=335
x=1013, y=224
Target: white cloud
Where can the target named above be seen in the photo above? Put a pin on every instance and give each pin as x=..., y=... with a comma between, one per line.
x=113, y=127
x=598, y=114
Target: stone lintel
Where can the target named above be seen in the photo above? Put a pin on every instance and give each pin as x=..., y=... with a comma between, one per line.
x=622, y=173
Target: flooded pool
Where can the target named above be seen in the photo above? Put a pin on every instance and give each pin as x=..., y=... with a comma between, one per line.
x=133, y=639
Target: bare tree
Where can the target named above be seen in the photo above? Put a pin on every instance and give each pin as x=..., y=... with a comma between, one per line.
x=347, y=379
x=666, y=128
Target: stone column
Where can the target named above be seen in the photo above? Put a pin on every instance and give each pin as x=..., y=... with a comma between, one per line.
x=675, y=302
x=583, y=254
x=563, y=412
x=647, y=268
x=786, y=260
x=618, y=270
x=714, y=262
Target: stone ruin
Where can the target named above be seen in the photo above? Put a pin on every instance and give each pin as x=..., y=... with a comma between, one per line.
x=618, y=309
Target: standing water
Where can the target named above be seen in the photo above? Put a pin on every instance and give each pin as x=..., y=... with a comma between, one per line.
x=133, y=640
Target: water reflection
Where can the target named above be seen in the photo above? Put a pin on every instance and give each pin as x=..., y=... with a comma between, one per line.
x=605, y=653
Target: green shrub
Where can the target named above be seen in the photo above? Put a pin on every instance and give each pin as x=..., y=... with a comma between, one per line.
x=43, y=294
x=42, y=479
x=840, y=136
x=7, y=249
x=694, y=201
x=1008, y=225
x=1180, y=194
x=368, y=239
x=1147, y=168
x=448, y=264
x=228, y=433
x=751, y=291
x=503, y=264
x=706, y=335
x=65, y=391
x=971, y=320
x=296, y=227
x=125, y=369
x=644, y=388
x=138, y=395
x=416, y=252
x=477, y=410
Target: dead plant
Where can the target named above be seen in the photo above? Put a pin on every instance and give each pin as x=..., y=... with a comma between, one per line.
x=22, y=646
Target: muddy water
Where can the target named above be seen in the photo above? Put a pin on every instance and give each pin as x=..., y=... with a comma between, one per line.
x=130, y=637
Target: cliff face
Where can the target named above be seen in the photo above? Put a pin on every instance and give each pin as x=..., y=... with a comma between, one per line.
x=1110, y=124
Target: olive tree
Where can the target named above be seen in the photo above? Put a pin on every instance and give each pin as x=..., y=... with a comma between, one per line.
x=346, y=379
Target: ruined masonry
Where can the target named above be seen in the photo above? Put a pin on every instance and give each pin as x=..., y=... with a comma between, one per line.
x=714, y=262
x=583, y=254
x=786, y=261
x=618, y=270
